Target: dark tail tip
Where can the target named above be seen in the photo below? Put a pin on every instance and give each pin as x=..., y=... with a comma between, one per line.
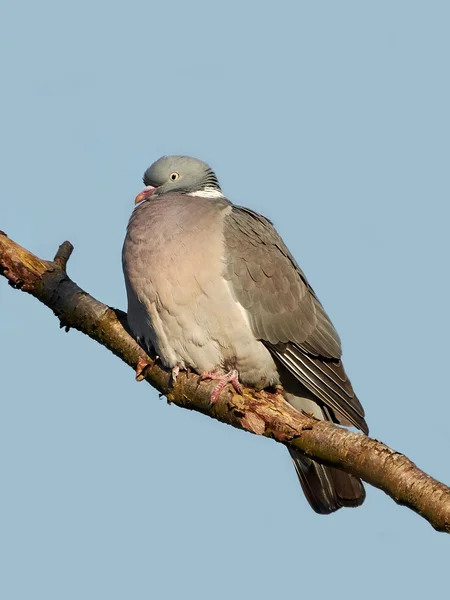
x=327, y=489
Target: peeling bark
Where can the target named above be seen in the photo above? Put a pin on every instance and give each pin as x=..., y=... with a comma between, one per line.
x=262, y=413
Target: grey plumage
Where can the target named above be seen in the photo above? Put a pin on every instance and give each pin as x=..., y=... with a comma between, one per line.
x=193, y=174
x=211, y=286
x=285, y=312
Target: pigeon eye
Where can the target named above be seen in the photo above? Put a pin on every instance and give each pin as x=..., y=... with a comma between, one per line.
x=174, y=176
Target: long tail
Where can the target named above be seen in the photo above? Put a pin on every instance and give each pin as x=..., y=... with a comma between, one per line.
x=327, y=489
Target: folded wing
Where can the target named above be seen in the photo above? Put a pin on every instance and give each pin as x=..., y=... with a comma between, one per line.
x=285, y=313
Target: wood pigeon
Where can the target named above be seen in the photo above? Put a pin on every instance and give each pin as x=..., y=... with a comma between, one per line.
x=212, y=287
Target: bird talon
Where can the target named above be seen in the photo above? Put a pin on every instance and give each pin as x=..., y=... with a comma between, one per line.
x=230, y=377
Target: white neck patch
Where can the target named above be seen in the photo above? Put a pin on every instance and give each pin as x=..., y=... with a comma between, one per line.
x=208, y=192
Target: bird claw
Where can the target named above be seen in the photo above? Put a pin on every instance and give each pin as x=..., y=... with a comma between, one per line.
x=230, y=377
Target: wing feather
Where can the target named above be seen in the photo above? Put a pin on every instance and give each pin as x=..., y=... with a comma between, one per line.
x=285, y=313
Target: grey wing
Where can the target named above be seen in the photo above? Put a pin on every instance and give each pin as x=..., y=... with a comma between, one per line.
x=285, y=313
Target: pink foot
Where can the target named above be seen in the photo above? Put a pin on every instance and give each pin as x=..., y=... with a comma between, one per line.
x=230, y=377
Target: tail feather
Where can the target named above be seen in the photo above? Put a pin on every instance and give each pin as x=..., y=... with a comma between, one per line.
x=327, y=489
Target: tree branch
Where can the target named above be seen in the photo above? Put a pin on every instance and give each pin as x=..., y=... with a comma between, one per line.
x=262, y=413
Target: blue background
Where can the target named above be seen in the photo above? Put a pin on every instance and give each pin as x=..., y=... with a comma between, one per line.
x=331, y=118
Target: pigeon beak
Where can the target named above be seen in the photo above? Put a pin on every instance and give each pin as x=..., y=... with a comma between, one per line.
x=145, y=194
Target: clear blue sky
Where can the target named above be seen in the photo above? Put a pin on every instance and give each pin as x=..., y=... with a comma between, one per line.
x=331, y=118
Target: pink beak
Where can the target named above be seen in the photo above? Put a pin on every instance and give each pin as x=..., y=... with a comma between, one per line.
x=146, y=193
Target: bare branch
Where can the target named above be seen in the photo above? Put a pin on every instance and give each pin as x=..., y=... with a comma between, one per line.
x=262, y=413
x=63, y=255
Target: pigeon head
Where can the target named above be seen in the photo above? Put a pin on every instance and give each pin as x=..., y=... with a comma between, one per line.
x=181, y=174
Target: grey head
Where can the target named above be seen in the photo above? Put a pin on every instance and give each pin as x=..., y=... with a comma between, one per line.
x=181, y=174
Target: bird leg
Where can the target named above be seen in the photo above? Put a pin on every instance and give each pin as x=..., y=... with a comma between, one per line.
x=142, y=364
x=230, y=377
